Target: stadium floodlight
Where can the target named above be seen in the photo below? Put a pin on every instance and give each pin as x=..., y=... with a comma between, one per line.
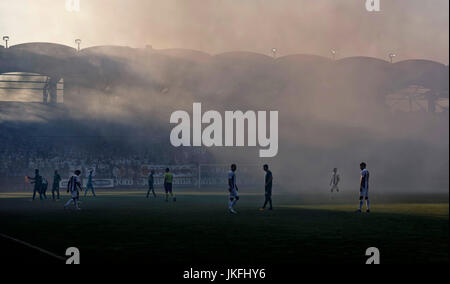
x=78, y=42
x=333, y=53
x=274, y=52
x=391, y=56
x=6, y=39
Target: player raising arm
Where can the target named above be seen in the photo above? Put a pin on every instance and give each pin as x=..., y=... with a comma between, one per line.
x=37, y=181
x=90, y=184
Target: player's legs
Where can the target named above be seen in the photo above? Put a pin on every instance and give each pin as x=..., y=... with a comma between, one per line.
x=34, y=193
x=68, y=202
x=76, y=202
x=265, y=202
x=153, y=191
x=363, y=195
x=233, y=199
x=361, y=202
x=231, y=204
x=40, y=190
x=266, y=199
x=334, y=187
x=367, y=203
x=171, y=192
x=93, y=190
x=55, y=188
x=87, y=189
x=269, y=197
x=76, y=199
x=270, y=202
x=166, y=189
x=44, y=190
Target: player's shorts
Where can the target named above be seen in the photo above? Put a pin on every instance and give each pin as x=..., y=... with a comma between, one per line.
x=168, y=187
x=89, y=186
x=364, y=192
x=75, y=194
x=334, y=187
x=233, y=193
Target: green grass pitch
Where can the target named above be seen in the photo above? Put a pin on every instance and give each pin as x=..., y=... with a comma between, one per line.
x=125, y=227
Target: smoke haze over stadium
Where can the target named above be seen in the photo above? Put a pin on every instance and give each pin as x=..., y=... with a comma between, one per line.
x=330, y=116
x=406, y=27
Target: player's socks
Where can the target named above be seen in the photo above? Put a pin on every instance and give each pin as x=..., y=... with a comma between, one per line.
x=361, y=202
x=368, y=204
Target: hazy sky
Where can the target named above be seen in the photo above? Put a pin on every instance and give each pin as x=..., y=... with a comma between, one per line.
x=411, y=28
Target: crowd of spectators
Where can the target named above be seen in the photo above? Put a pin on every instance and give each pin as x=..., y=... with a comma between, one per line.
x=22, y=156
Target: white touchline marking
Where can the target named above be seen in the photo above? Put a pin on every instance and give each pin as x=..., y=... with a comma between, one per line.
x=32, y=246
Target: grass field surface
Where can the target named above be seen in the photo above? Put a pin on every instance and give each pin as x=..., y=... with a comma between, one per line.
x=125, y=227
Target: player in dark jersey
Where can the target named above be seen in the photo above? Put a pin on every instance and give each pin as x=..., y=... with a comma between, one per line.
x=55, y=187
x=90, y=184
x=37, y=181
x=267, y=188
x=232, y=188
x=151, y=183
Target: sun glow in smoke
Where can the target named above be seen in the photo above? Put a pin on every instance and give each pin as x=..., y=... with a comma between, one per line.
x=292, y=26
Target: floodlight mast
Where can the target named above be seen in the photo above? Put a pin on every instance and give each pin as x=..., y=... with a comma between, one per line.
x=274, y=53
x=392, y=56
x=6, y=39
x=333, y=54
x=78, y=42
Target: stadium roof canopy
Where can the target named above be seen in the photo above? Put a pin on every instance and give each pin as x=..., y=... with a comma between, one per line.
x=107, y=62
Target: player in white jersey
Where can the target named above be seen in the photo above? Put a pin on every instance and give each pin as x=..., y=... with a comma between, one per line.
x=232, y=188
x=335, y=178
x=364, y=187
x=72, y=186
